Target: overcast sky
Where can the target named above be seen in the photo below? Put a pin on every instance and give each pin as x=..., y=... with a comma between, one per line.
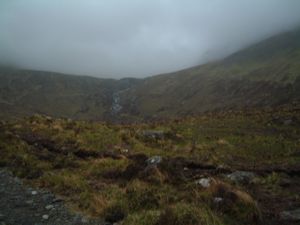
x=121, y=38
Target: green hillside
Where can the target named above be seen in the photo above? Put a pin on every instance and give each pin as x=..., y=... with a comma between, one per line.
x=156, y=173
x=265, y=74
x=27, y=92
x=237, y=162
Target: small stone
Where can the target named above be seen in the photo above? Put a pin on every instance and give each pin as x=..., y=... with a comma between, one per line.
x=45, y=217
x=223, y=168
x=47, y=197
x=77, y=218
x=48, y=207
x=218, y=200
x=84, y=220
x=154, y=160
x=17, y=180
x=1, y=217
x=243, y=177
x=57, y=199
x=153, y=134
x=288, y=122
x=293, y=215
x=29, y=202
x=34, y=192
x=285, y=182
x=124, y=150
x=204, y=182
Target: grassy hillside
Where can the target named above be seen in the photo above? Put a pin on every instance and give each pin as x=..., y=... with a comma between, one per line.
x=238, y=163
x=265, y=74
x=152, y=174
x=27, y=92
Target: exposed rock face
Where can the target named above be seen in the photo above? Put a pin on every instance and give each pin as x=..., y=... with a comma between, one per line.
x=116, y=104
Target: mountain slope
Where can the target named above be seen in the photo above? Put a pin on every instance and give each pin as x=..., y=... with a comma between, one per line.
x=80, y=97
x=265, y=74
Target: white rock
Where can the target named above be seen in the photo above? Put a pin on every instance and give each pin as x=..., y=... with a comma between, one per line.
x=125, y=150
x=154, y=160
x=45, y=217
x=218, y=199
x=34, y=192
x=48, y=207
x=204, y=182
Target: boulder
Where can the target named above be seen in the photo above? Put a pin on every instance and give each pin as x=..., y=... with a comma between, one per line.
x=243, y=177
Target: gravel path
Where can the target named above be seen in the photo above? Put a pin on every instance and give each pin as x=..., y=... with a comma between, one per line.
x=21, y=205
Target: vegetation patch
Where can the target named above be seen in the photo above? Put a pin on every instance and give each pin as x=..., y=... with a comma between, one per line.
x=115, y=172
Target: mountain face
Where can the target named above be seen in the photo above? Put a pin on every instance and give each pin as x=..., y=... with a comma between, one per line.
x=265, y=74
x=24, y=93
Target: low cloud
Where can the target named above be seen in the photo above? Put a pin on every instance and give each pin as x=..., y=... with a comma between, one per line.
x=111, y=38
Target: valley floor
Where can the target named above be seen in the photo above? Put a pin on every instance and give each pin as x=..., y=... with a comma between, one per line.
x=225, y=168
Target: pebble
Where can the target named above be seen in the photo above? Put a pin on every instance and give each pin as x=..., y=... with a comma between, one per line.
x=29, y=202
x=293, y=215
x=204, y=182
x=57, y=199
x=154, y=160
x=17, y=180
x=84, y=220
x=218, y=199
x=45, y=217
x=34, y=192
x=243, y=177
x=48, y=207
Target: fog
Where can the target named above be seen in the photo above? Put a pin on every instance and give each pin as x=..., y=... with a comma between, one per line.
x=121, y=38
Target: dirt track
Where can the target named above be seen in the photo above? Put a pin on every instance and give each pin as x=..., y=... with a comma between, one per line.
x=21, y=205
